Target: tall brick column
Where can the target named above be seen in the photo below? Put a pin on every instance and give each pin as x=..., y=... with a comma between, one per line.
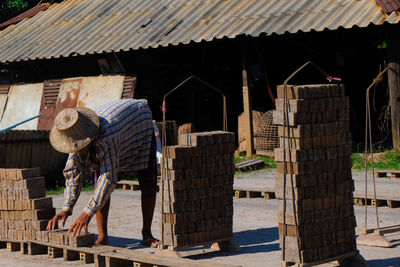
x=196, y=190
x=316, y=216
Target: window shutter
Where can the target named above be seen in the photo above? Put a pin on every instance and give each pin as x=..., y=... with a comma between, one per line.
x=4, y=88
x=129, y=87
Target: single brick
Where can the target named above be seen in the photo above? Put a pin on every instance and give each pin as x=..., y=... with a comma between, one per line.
x=42, y=203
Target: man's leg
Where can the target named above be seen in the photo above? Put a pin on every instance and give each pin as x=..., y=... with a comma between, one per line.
x=102, y=219
x=148, y=185
x=148, y=204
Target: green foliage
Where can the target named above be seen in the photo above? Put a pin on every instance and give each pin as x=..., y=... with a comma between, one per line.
x=12, y=8
x=129, y=176
x=60, y=190
x=388, y=160
x=17, y=5
x=382, y=45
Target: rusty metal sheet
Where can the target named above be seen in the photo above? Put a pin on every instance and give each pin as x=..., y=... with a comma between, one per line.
x=68, y=93
x=23, y=103
x=97, y=91
x=48, y=104
x=3, y=100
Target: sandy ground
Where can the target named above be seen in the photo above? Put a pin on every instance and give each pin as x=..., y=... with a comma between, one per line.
x=255, y=227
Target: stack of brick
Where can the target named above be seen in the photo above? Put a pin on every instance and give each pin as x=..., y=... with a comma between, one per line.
x=320, y=151
x=197, y=184
x=24, y=208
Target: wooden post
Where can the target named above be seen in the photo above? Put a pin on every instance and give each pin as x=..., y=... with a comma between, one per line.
x=393, y=56
x=247, y=105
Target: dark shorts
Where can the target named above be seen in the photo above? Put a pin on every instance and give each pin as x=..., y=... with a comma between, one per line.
x=148, y=177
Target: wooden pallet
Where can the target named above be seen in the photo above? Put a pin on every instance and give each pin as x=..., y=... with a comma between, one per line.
x=387, y=173
x=14, y=245
x=377, y=202
x=104, y=255
x=223, y=244
x=381, y=200
x=249, y=165
x=254, y=192
x=354, y=255
x=129, y=185
x=23, y=246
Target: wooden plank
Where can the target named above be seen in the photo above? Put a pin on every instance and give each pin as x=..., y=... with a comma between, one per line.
x=269, y=189
x=100, y=252
x=128, y=182
x=337, y=258
x=249, y=164
x=383, y=196
x=388, y=229
x=96, y=249
x=153, y=259
x=247, y=105
x=129, y=185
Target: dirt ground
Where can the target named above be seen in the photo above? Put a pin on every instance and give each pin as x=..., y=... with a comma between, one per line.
x=255, y=227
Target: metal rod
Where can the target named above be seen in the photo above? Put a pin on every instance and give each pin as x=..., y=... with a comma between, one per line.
x=19, y=123
x=368, y=130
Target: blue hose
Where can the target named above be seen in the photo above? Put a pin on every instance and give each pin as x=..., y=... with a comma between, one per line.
x=19, y=123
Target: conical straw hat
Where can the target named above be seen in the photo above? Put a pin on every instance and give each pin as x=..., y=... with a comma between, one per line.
x=74, y=129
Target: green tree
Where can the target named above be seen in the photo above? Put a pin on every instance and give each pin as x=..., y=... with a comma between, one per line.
x=12, y=8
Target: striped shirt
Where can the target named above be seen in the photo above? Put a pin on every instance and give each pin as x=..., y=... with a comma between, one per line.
x=123, y=145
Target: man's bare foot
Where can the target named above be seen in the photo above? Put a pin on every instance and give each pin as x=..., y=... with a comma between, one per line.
x=102, y=240
x=149, y=240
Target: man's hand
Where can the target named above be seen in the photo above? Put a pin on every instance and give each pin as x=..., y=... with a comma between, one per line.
x=82, y=221
x=62, y=215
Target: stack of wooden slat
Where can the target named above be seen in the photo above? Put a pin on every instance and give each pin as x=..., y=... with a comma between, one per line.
x=315, y=146
x=24, y=209
x=197, y=189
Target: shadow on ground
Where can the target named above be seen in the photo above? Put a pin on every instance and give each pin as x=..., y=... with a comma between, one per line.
x=250, y=241
x=123, y=242
x=392, y=262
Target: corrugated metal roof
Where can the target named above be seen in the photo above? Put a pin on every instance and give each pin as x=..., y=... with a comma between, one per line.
x=389, y=5
x=96, y=26
x=27, y=14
